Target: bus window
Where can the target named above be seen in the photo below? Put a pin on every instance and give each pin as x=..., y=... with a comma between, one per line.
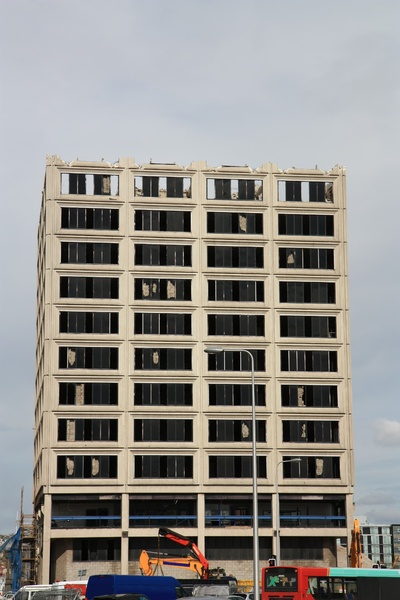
x=337, y=588
x=313, y=587
x=323, y=589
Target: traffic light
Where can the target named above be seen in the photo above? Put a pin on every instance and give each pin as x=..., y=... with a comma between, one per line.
x=272, y=562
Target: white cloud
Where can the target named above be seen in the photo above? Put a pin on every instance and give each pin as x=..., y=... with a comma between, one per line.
x=387, y=433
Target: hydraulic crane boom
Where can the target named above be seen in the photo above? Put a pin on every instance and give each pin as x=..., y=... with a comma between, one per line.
x=193, y=549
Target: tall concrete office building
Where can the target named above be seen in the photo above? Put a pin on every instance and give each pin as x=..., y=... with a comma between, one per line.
x=140, y=269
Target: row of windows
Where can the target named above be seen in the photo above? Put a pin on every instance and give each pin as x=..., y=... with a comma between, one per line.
x=89, y=253
x=180, y=221
x=181, y=467
x=223, y=222
x=181, y=359
x=163, y=323
x=162, y=220
x=180, y=187
x=89, y=322
x=89, y=287
x=251, y=257
x=224, y=290
x=236, y=325
x=90, y=184
x=181, y=394
x=181, y=324
x=163, y=255
x=321, y=225
x=84, y=430
x=307, y=326
x=181, y=430
x=90, y=218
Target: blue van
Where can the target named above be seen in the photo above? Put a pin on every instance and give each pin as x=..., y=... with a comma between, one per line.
x=154, y=587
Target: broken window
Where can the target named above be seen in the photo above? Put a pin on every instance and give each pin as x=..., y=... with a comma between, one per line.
x=163, y=394
x=321, y=396
x=235, y=430
x=81, y=467
x=322, y=432
x=230, y=394
x=318, y=225
x=88, y=322
x=89, y=184
x=170, y=359
x=88, y=393
x=232, y=360
x=224, y=222
x=90, y=550
x=163, y=289
x=88, y=430
x=163, y=220
x=163, y=430
x=163, y=323
x=306, y=258
x=235, y=290
x=234, y=189
x=251, y=257
x=169, y=187
x=89, y=287
x=307, y=326
x=170, y=255
x=307, y=292
x=235, y=467
x=163, y=467
x=236, y=325
x=88, y=358
x=305, y=191
x=90, y=218
x=309, y=360
x=311, y=467
x=89, y=253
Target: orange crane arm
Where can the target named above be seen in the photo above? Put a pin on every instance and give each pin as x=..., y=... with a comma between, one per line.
x=194, y=550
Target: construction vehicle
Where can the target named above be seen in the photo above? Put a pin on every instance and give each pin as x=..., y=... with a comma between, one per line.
x=356, y=546
x=194, y=560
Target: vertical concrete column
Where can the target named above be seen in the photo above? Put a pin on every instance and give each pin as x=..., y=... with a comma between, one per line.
x=46, y=539
x=201, y=522
x=125, y=534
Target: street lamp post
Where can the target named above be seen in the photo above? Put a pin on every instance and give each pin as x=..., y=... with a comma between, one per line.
x=256, y=576
x=277, y=509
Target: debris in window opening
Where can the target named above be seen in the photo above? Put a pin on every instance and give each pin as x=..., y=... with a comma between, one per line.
x=319, y=467
x=290, y=259
x=329, y=193
x=243, y=222
x=70, y=466
x=171, y=292
x=79, y=393
x=154, y=288
x=71, y=356
x=95, y=466
x=300, y=396
x=155, y=357
x=245, y=431
x=303, y=433
x=146, y=290
x=70, y=430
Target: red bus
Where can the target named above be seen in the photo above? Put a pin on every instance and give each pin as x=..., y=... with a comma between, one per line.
x=334, y=583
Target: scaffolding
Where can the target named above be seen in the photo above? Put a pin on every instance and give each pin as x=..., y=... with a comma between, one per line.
x=19, y=551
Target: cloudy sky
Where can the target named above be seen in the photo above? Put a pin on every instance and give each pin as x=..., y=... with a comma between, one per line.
x=299, y=83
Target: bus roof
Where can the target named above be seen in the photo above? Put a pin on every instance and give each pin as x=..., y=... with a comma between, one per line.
x=353, y=572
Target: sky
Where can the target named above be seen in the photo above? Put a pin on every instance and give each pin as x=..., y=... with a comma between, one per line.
x=297, y=83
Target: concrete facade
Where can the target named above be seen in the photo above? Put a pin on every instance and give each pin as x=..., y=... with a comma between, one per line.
x=142, y=267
